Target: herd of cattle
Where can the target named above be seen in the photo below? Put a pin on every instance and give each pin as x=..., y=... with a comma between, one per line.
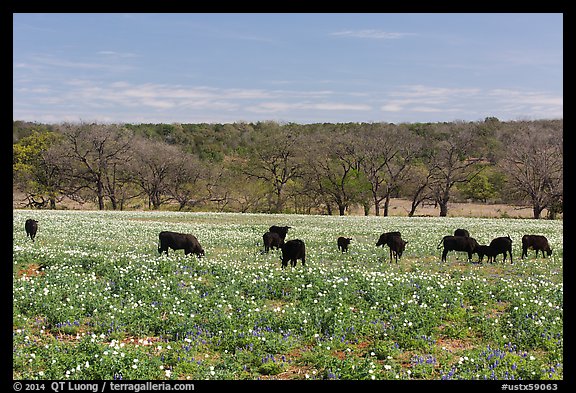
x=292, y=250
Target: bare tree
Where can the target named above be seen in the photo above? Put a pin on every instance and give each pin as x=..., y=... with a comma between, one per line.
x=186, y=184
x=534, y=162
x=377, y=148
x=153, y=167
x=275, y=160
x=453, y=161
x=417, y=185
x=93, y=153
x=229, y=188
x=334, y=170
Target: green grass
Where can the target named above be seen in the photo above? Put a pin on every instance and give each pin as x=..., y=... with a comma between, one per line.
x=92, y=299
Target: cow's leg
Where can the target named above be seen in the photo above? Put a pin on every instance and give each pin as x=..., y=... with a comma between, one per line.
x=444, y=253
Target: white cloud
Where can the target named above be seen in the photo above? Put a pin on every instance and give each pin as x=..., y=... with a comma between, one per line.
x=125, y=101
x=392, y=107
x=274, y=107
x=503, y=103
x=372, y=33
x=338, y=106
x=122, y=55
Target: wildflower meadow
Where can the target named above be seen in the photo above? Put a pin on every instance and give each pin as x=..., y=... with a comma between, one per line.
x=93, y=299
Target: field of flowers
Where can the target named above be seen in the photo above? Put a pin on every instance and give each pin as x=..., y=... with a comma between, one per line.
x=93, y=299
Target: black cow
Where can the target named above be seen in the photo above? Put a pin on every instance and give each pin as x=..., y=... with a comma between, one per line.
x=293, y=250
x=343, y=243
x=385, y=236
x=397, y=246
x=31, y=227
x=484, y=250
x=272, y=240
x=179, y=241
x=458, y=243
x=537, y=243
x=461, y=232
x=501, y=245
x=282, y=231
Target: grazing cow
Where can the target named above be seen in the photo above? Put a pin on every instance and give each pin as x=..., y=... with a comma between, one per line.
x=461, y=232
x=458, y=243
x=293, y=250
x=343, y=243
x=537, y=243
x=179, y=241
x=385, y=236
x=501, y=245
x=31, y=227
x=484, y=250
x=397, y=246
x=272, y=240
x=388, y=238
x=282, y=231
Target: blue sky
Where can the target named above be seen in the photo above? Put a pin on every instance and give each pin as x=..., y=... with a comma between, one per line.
x=302, y=68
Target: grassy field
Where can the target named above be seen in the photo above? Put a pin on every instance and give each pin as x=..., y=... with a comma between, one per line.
x=92, y=299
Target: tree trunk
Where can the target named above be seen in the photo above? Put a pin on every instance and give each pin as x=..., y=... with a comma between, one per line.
x=537, y=210
x=366, y=209
x=443, y=208
x=100, y=195
x=114, y=202
x=279, y=202
x=386, y=205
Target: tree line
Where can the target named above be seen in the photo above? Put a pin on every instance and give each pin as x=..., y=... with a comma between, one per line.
x=267, y=166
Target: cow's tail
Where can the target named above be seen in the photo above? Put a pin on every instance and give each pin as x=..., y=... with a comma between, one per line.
x=441, y=243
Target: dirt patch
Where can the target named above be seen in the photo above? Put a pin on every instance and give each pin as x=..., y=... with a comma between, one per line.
x=401, y=207
x=31, y=270
x=454, y=344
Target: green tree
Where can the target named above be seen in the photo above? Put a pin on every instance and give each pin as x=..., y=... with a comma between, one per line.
x=33, y=170
x=478, y=188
